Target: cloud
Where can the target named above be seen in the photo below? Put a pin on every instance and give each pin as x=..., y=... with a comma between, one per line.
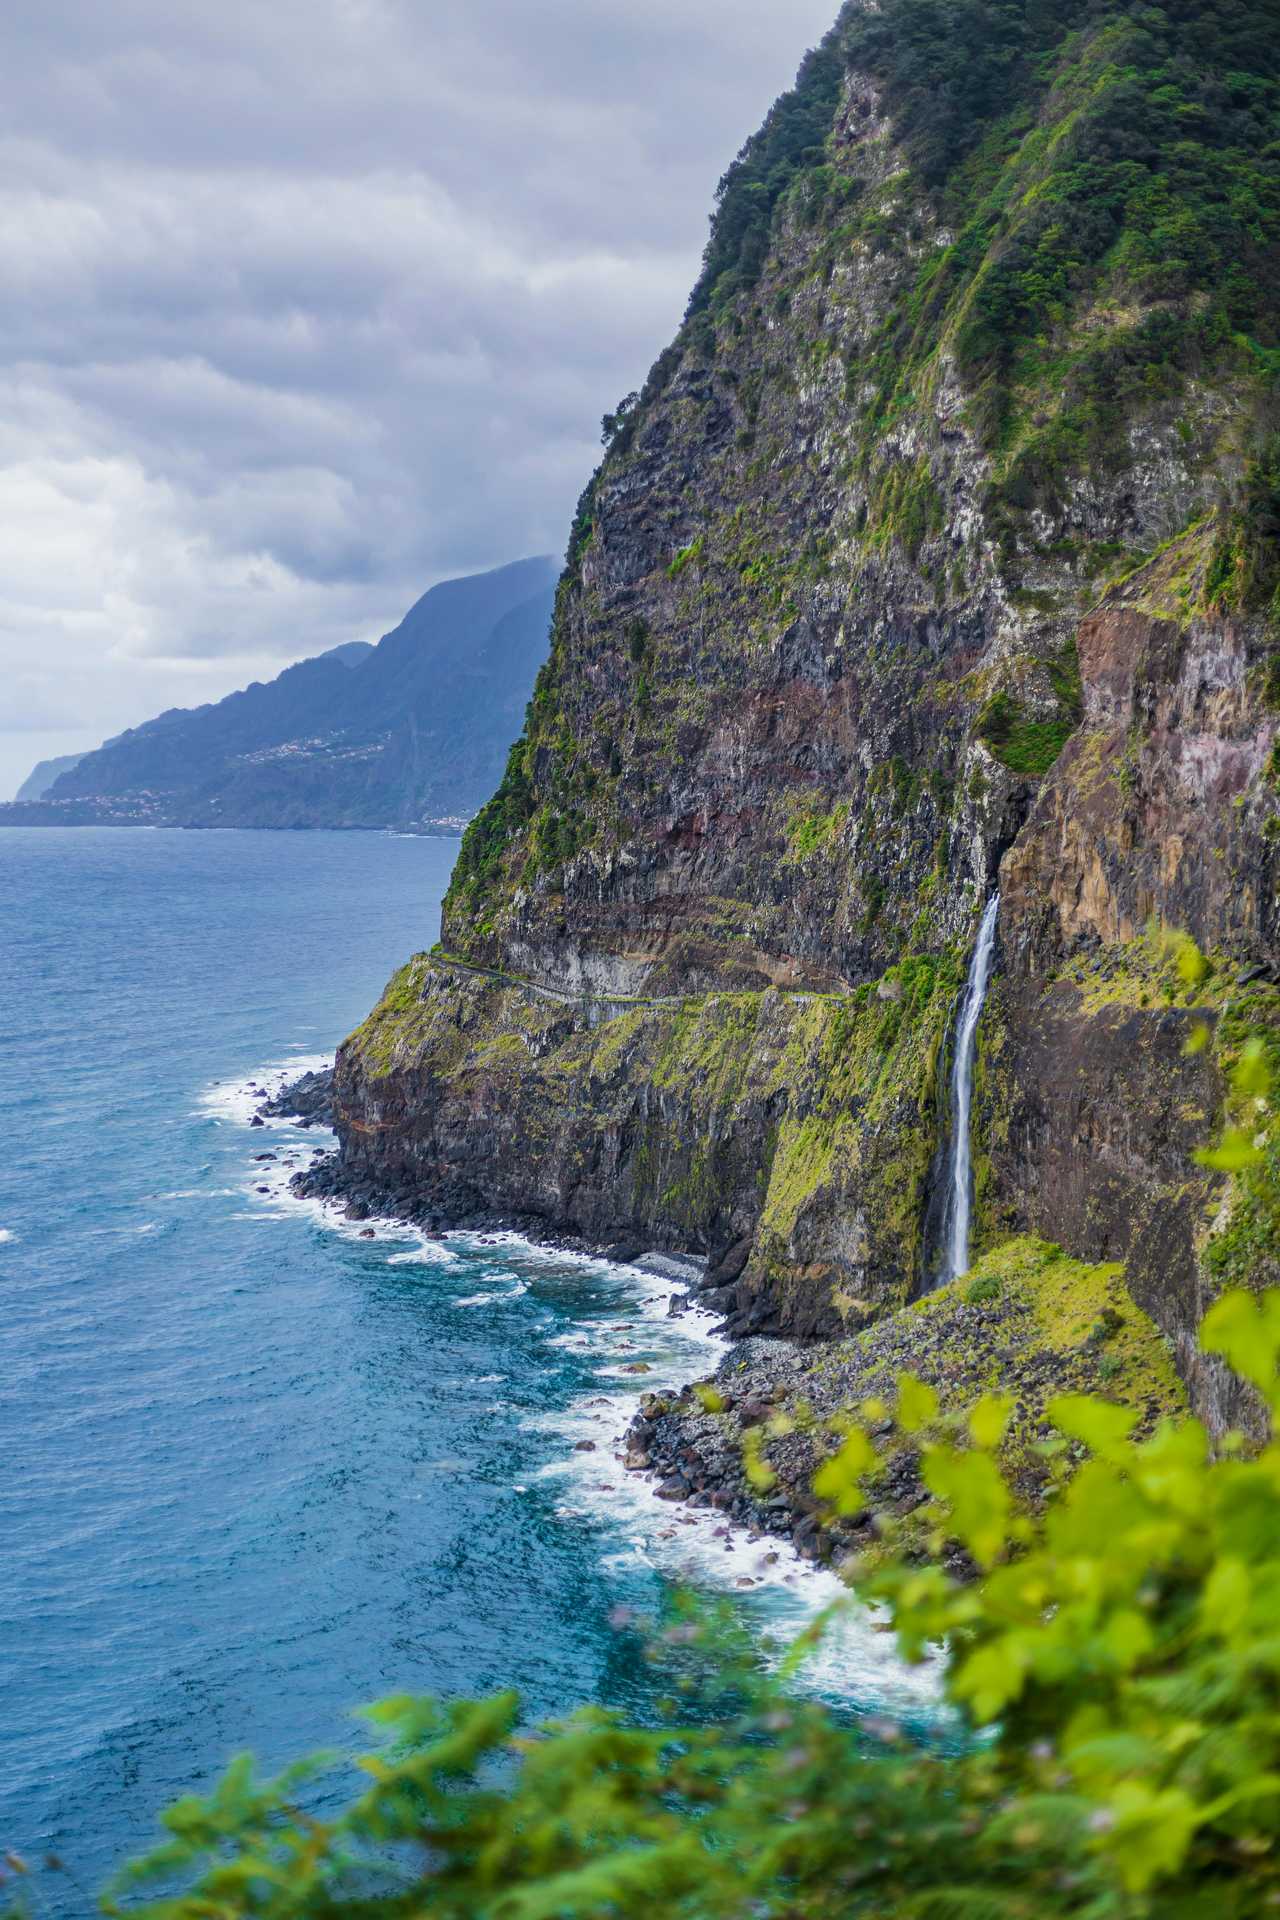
x=310, y=305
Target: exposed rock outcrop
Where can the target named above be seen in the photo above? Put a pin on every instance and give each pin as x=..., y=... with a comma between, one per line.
x=309, y=1098
x=1026, y=1316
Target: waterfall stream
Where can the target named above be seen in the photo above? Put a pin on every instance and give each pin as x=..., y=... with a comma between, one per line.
x=959, y=1183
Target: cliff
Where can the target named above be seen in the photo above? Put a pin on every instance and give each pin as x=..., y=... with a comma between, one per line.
x=938, y=554
x=43, y=775
x=403, y=734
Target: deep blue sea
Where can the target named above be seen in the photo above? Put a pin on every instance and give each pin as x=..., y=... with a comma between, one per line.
x=255, y=1470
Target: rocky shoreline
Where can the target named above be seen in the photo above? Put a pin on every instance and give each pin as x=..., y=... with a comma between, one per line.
x=691, y=1457
x=361, y=1196
x=1026, y=1319
x=691, y=1445
x=747, y=1441
x=309, y=1099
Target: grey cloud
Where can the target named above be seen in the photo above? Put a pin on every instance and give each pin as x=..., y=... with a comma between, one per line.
x=312, y=304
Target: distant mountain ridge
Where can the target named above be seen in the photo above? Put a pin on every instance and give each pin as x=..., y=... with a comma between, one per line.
x=410, y=733
x=43, y=775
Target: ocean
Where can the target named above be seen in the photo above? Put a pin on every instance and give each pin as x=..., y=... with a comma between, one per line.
x=258, y=1470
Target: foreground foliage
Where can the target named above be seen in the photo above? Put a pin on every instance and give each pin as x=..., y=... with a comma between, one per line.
x=1114, y=1672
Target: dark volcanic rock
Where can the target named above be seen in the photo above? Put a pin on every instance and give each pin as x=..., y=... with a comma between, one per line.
x=1045, y=1324
x=308, y=1098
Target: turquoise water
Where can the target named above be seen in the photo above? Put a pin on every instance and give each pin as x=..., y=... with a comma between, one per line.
x=258, y=1470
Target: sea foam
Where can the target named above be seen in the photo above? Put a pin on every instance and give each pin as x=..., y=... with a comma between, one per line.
x=643, y=1349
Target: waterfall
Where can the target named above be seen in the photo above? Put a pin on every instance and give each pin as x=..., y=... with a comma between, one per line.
x=959, y=1183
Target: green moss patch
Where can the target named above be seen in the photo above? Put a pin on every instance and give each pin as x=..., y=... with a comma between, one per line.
x=1028, y=743
x=1023, y=744
x=1080, y=1313
x=399, y=1023
x=1027, y=1323
x=860, y=1142
x=810, y=830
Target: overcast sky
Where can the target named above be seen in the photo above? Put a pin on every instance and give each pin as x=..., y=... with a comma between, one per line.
x=311, y=303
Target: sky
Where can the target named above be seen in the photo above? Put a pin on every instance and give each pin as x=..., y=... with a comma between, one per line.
x=313, y=303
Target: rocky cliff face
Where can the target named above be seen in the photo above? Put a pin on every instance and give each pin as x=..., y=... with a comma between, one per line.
x=895, y=587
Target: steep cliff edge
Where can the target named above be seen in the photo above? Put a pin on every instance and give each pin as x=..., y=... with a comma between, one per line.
x=939, y=552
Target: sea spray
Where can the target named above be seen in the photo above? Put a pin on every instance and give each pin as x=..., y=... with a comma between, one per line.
x=959, y=1183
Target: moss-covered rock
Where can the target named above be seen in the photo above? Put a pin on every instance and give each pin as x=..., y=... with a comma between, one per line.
x=804, y=1122
x=1027, y=1320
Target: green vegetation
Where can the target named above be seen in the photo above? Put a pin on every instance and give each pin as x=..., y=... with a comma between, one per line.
x=811, y=831
x=1073, y=1310
x=1243, y=574
x=861, y=1137
x=1104, y=1577
x=497, y=823
x=1107, y=179
x=907, y=506
x=554, y=810
x=790, y=146
x=1019, y=742
x=685, y=557
x=1086, y=155
x=1246, y=1245
x=399, y=1021
x=613, y=423
x=1027, y=1317
x=848, y=1081
x=1162, y=964
x=1096, y=1580
x=583, y=525
x=1091, y=160
x=1118, y=1656
x=1026, y=743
